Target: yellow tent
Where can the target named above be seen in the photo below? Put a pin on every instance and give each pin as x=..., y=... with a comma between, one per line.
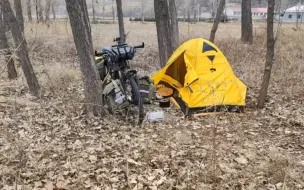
x=202, y=78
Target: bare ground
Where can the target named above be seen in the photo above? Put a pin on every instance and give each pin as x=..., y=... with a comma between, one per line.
x=48, y=142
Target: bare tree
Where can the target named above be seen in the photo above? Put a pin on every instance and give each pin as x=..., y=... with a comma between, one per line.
x=194, y=10
x=198, y=12
x=142, y=11
x=19, y=14
x=113, y=11
x=174, y=24
x=121, y=21
x=188, y=15
x=212, y=5
x=48, y=11
x=167, y=28
x=103, y=10
x=217, y=20
x=269, y=54
x=4, y=47
x=247, y=35
x=21, y=48
x=185, y=13
x=36, y=9
x=29, y=10
x=53, y=10
x=93, y=10
x=39, y=11
x=81, y=29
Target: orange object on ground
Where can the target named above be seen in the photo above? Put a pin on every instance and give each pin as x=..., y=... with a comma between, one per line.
x=165, y=91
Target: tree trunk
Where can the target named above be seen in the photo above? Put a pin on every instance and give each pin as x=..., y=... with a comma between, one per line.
x=194, y=15
x=53, y=10
x=212, y=5
x=39, y=11
x=113, y=11
x=217, y=20
x=4, y=47
x=225, y=13
x=29, y=10
x=121, y=21
x=103, y=11
x=247, y=35
x=48, y=11
x=93, y=10
x=81, y=29
x=188, y=14
x=269, y=54
x=297, y=15
x=21, y=48
x=167, y=28
x=19, y=14
x=185, y=13
x=142, y=12
x=174, y=24
x=36, y=9
x=198, y=13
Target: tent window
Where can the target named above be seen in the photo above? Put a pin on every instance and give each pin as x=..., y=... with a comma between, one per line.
x=289, y=16
x=177, y=70
x=207, y=47
x=299, y=16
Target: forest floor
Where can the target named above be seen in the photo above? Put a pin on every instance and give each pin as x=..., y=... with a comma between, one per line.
x=48, y=142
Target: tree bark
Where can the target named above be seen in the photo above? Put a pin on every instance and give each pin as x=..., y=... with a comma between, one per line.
x=167, y=28
x=217, y=20
x=247, y=35
x=4, y=47
x=19, y=14
x=29, y=10
x=21, y=48
x=269, y=54
x=53, y=10
x=48, y=11
x=81, y=29
x=121, y=21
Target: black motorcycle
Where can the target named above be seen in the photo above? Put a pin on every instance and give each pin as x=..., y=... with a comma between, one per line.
x=120, y=83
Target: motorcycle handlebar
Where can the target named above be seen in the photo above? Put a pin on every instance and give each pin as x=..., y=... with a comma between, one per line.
x=140, y=46
x=101, y=53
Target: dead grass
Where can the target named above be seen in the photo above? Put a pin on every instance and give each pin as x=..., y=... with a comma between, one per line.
x=246, y=60
x=58, y=77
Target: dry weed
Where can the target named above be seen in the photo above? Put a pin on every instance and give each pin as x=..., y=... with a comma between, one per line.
x=58, y=78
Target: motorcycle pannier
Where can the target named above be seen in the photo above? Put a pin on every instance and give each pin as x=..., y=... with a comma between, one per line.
x=146, y=89
x=114, y=96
